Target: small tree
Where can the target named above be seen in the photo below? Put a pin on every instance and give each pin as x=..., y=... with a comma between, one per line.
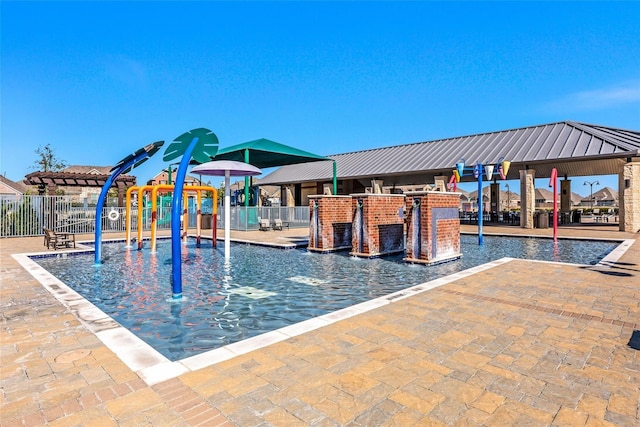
x=47, y=160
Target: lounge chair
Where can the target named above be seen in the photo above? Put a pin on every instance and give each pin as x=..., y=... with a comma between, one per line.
x=277, y=224
x=264, y=225
x=58, y=240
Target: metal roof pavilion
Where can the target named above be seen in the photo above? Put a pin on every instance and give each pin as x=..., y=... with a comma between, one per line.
x=575, y=149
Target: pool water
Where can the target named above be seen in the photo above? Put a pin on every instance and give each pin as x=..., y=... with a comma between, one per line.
x=262, y=289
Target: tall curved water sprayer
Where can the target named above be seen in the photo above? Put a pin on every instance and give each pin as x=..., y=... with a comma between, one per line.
x=123, y=166
x=201, y=145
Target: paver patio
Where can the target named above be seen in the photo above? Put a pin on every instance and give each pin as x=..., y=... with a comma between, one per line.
x=521, y=343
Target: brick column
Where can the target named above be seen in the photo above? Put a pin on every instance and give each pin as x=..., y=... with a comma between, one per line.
x=527, y=197
x=378, y=224
x=629, y=196
x=433, y=227
x=330, y=224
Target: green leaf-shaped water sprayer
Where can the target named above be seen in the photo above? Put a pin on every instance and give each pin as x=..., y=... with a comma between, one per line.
x=205, y=150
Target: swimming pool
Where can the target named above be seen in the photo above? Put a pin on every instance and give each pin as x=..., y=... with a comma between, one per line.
x=262, y=289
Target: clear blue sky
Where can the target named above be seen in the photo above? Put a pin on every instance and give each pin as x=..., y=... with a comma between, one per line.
x=98, y=80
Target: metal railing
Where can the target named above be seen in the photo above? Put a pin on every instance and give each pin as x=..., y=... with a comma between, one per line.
x=248, y=218
x=26, y=215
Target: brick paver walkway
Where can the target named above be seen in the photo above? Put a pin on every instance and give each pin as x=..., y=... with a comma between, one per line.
x=522, y=343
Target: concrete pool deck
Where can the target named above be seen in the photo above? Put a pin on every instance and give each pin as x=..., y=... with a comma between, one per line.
x=521, y=342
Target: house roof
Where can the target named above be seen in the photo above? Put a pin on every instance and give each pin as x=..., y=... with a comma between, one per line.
x=575, y=198
x=544, y=194
x=606, y=193
x=575, y=149
x=85, y=169
x=164, y=175
x=16, y=187
x=486, y=191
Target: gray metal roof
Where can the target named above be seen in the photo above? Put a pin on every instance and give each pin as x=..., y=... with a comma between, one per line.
x=575, y=149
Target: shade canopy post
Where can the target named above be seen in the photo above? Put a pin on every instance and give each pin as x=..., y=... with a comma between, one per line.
x=246, y=180
x=227, y=168
x=227, y=215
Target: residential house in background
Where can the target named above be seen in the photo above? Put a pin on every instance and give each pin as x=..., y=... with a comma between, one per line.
x=604, y=197
x=575, y=199
x=88, y=192
x=11, y=189
x=544, y=199
x=163, y=178
x=509, y=200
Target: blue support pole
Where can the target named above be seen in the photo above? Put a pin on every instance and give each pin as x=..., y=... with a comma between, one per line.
x=99, y=206
x=480, y=203
x=176, y=250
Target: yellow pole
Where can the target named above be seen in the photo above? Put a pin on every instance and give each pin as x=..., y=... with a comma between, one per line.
x=140, y=194
x=155, y=189
x=141, y=191
x=154, y=212
x=128, y=215
x=154, y=217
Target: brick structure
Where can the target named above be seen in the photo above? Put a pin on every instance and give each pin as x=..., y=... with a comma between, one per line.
x=433, y=227
x=330, y=225
x=378, y=224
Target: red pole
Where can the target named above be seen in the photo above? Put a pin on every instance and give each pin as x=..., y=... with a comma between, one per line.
x=215, y=228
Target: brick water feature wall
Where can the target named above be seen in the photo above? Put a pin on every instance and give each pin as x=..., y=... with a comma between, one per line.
x=433, y=227
x=378, y=224
x=330, y=225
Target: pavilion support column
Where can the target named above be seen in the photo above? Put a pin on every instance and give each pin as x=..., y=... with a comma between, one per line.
x=629, y=195
x=495, y=198
x=527, y=197
x=121, y=192
x=51, y=217
x=286, y=196
x=565, y=195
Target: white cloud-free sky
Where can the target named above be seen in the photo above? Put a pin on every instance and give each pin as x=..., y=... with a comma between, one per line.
x=98, y=80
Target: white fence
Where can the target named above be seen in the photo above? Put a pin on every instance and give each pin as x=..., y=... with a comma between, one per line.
x=26, y=216
x=248, y=218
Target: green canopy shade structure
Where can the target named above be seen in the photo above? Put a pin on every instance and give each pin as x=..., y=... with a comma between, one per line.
x=264, y=153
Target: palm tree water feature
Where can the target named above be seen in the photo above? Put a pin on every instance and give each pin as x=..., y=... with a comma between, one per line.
x=200, y=144
x=229, y=301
